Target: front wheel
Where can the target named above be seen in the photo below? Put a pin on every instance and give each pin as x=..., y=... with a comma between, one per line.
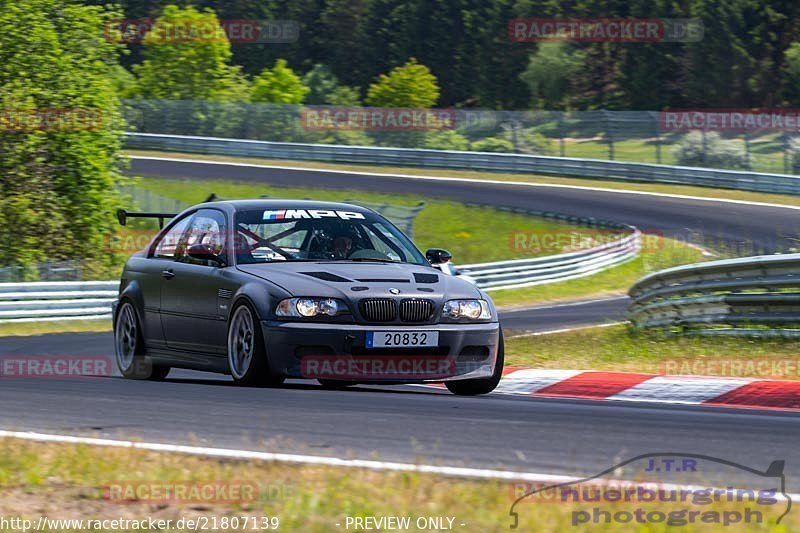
x=247, y=357
x=474, y=387
x=129, y=348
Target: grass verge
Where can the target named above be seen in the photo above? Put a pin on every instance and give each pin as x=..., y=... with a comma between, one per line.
x=9, y=329
x=68, y=481
x=703, y=192
x=619, y=348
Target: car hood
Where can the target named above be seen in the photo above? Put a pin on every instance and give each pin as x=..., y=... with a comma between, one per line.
x=356, y=280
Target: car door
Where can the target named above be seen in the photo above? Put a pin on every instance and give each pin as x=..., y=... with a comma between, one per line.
x=150, y=277
x=193, y=313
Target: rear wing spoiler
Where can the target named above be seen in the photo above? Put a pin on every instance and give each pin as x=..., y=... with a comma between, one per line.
x=123, y=217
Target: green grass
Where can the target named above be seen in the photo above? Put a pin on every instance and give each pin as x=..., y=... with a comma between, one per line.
x=9, y=329
x=620, y=348
x=65, y=480
x=702, y=192
x=657, y=254
x=472, y=234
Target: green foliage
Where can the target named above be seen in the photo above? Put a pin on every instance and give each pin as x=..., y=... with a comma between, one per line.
x=709, y=150
x=279, y=85
x=550, y=74
x=188, y=68
x=321, y=83
x=344, y=96
x=528, y=141
x=411, y=85
x=792, y=72
x=57, y=181
x=493, y=144
x=446, y=140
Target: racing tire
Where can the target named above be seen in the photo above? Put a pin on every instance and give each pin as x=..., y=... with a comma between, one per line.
x=247, y=356
x=129, y=350
x=474, y=387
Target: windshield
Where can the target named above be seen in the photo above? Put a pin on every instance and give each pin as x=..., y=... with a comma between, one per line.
x=264, y=236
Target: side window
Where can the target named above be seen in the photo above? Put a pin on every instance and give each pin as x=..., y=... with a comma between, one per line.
x=206, y=227
x=165, y=249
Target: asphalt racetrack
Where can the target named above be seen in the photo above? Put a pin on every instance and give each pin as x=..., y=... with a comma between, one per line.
x=414, y=423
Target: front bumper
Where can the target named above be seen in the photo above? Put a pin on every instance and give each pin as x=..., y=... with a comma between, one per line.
x=470, y=350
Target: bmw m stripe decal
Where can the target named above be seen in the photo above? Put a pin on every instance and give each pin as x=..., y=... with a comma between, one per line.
x=278, y=214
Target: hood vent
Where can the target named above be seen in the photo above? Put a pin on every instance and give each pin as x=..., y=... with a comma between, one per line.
x=380, y=280
x=425, y=278
x=327, y=276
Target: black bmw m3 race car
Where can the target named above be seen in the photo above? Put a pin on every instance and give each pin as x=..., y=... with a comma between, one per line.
x=265, y=290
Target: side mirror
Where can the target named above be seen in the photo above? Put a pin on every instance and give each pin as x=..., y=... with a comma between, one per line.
x=204, y=252
x=437, y=256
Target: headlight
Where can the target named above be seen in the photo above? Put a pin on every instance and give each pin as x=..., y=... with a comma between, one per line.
x=309, y=307
x=471, y=309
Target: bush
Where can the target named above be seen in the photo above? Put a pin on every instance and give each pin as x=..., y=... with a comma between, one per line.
x=493, y=144
x=713, y=152
x=446, y=140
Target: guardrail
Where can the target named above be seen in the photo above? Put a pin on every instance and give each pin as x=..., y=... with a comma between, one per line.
x=757, y=296
x=42, y=301
x=520, y=163
x=521, y=273
x=56, y=300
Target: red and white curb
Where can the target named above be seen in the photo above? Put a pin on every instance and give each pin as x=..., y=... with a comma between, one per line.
x=637, y=387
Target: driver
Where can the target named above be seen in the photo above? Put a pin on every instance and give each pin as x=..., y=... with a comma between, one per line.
x=342, y=246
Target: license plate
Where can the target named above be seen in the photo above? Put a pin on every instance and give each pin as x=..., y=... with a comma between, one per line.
x=402, y=339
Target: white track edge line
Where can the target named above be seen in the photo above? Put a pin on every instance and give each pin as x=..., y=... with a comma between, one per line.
x=566, y=330
x=228, y=453
x=319, y=460
x=478, y=181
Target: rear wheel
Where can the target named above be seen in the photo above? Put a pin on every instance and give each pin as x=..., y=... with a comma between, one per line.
x=129, y=347
x=473, y=387
x=247, y=357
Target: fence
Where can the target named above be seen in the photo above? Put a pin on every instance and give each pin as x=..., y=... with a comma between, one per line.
x=757, y=296
x=47, y=271
x=633, y=136
x=558, y=166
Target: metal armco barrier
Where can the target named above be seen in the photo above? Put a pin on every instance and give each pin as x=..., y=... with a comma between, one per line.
x=757, y=296
x=27, y=302
x=56, y=300
x=553, y=268
x=535, y=164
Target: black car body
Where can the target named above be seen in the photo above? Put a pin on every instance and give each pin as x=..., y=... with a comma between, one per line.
x=257, y=288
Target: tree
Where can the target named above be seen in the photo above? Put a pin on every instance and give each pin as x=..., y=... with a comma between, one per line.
x=321, y=83
x=411, y=85
x=57, y=178
x=792, y=70
x=344, y=96
x=192, y=68
x=279, y=85
x=550, y=72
